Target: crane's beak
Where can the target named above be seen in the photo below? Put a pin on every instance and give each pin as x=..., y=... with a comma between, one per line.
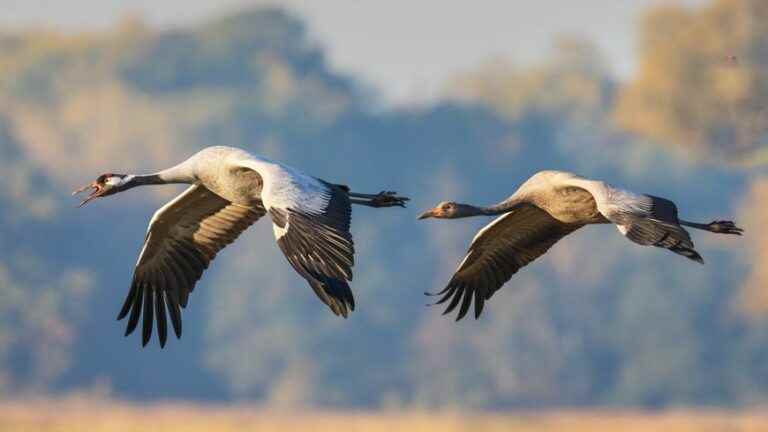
x=96, y=191
x=427, y=214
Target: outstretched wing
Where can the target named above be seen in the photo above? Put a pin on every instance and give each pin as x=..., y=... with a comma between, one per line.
x=660, y=227
x=183, y=237
x=644, y=219
x=498, y=251
x=319, y=246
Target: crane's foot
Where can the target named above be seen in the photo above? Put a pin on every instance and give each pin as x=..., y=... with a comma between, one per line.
x=724, y=227
x=388, y=199
x=381, y=199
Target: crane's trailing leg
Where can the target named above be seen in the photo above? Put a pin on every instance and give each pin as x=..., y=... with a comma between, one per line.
x=719, y=227
x=382, y=199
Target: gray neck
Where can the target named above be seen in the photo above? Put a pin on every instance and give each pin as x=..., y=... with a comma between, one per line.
x=179, y=174
x=503, y=207
x=468, y=210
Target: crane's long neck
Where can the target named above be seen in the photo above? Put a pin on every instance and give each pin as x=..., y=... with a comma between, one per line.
x=467, y=210
x=179, y=174
x=500, y=208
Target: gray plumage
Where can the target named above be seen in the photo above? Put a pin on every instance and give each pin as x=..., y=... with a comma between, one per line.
x=546, y=208
x=183, y=238
x=230, y=190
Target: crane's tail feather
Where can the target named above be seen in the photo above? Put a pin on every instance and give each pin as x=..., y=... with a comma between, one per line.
x=335, y=293
x=651, y=232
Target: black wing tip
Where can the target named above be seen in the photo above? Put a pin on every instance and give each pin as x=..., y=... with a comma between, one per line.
x=479, y=305
x=130, y=299
x=177, y=331
x=690, y=254
x=341, y=308
x=455, y=292
x=153, y=305
x=145, y=342
x=336, y=294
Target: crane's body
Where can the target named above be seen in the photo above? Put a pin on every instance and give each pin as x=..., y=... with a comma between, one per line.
x=230, y=190
x=544, y=209
x=563, y=195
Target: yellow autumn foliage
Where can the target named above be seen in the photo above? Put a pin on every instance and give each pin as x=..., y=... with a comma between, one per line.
x=702, y=84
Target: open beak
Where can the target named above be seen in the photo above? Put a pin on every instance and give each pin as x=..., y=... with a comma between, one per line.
x=427, y=214
x=96, y=191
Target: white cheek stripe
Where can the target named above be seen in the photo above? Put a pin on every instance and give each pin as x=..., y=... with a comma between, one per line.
x=117, y=181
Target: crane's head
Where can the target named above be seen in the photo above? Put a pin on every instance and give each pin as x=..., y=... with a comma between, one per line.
x=444, y=210
x=104, y=185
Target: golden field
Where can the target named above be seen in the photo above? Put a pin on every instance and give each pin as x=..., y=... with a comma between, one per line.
x=99, y=416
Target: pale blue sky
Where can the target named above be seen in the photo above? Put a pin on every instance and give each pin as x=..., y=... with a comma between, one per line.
x=406, y=49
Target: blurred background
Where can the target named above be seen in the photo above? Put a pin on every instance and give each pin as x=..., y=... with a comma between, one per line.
x=436, y=100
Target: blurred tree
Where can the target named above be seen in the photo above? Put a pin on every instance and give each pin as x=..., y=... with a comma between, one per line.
x=23, y=187
x=630, y=327
x=39, y=315
x=702, y=84
x=754, y=213
x=133, y=98
x=574, y=331
x=572, y=85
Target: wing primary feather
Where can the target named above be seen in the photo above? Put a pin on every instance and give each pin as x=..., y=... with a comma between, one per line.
x=320, y=255
x=438, y=293
x=455, y=301
x=465, y=304
x=184, y=271
x=128, y=300
x=149, y=309
x=172, y=301
x=192, y=275
x=479, y=303
x=182, y=239
x=133, y=320
x=190, y=250
x=162, y=326
x=448, y=294
x=497, y=252
x=351, y=301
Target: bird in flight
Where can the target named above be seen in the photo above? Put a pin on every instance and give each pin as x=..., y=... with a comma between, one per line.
x=546, y=208
x=230, y=190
